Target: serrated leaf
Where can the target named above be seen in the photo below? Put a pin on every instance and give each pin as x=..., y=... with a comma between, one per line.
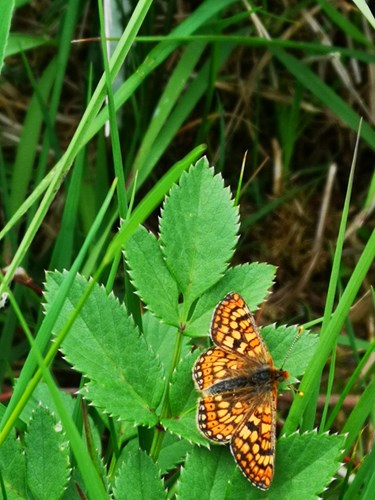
x=279, y=341
x=252, y=281
x=162, y=338
x=125, y=376
x=151, y=277
x=186, y=426
x=13, y=468
x=47, y=456
x=206, y=474
x=182, y=394
x=139, y=478
x=305, y=465
x=42, y=394
x=76, y=487
x=198, y=230
x=183, y=403
x=173, y=452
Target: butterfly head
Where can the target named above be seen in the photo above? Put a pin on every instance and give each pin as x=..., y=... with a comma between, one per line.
x=282, y=375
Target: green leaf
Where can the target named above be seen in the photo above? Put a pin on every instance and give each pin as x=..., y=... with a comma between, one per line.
x=43, y=394
x=138, y=479
x=47, y=456
x=305, y=465
x=173, y=452
x=20, y=42
x=13, y=468
x=185, y=426
x=279, y=341
x=361, y=411
x=182, y=394
x=252, y=281
x=151, y=277
x=206, y=474
x=6, y=18
x=76, y=487
x=162, y=338
x=183, y=403
x=198, y=230
x=126, y=378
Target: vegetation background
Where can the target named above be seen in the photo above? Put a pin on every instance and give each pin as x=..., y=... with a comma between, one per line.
x=276, y=87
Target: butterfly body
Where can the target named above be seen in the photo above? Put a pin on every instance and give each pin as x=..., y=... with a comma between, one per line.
x=258, y=381
x=239, y=384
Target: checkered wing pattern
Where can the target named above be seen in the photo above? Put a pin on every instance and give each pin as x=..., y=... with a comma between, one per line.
x=239, y=386
x=253, y=443
x=215, y=365
x=233, y=329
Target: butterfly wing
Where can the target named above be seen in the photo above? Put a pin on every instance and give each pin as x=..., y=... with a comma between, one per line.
x=233, y=329
x=215, y=365
x=253, y=442
x=219, y=415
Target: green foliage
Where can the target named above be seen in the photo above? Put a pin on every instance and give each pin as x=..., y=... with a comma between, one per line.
x=18, y=42
x=190, y=258
x=305, y=464
x=139, y=478
x=47, y=456
x=143, y=378
x=42, y=393
x=126, y=378
x=13, y=467
x=252, y=281
x=206, y=474
x=40, y=464
x=173, y=452
x=279, y=339
x=198, y=231
x=4, y=29
x=301, y=470
x=136, y=374
x=160, y=337
x=152, y=277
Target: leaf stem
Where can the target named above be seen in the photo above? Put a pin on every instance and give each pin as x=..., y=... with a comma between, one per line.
x=165, y=409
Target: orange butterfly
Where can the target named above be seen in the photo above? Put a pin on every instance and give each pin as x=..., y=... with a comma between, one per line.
x=239, y=385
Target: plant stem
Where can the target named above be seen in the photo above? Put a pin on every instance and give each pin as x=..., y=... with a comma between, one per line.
x=165, y=410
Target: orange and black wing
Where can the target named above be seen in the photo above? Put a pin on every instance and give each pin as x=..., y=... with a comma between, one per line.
x=233, y=329
x=220, y=415
x=215, y=365
x=253, y=443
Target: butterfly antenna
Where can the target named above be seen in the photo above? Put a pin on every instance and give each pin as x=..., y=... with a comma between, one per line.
x=299, y=333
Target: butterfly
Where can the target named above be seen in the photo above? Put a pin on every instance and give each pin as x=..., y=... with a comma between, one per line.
x=239, y=384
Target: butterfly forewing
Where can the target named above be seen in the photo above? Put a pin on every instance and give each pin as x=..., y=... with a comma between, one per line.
x=233, y=328
x=215, y=365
